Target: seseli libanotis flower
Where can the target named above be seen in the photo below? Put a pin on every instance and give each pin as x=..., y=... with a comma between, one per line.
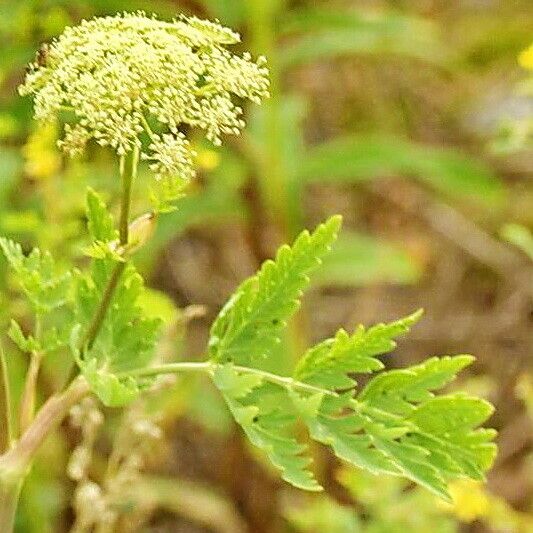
x=135, y=82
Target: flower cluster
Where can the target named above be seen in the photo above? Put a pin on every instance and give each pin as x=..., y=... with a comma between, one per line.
x=130, y=74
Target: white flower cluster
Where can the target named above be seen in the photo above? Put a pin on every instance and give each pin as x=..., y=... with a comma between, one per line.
x=119, y=75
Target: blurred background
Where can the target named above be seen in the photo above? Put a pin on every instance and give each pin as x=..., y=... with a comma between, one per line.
x=411, y=118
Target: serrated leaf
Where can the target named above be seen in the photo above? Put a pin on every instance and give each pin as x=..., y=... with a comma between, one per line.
x=398, y=426
x=25, y=343
x=110, y=389
x=127, y=337
x=328, y=363
x=249, y=325
x=99, y=221
x=44, y=284
x=395, y=425
x=396, y=390
x=265, y=414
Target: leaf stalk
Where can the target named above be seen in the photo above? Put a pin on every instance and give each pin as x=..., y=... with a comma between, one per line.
x=209, y=368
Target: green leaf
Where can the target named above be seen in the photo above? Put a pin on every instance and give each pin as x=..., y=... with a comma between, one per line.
x=101, y=229
x=99, y=221
x=46, y=287
x=328, y=363
x=266, y=414
x=395, y=425
x=396, y=390
x=430, y=440
x=25, y=343
x=329, y=33
x=249, y=325
x=127, y=336
x=357, y=260
x=112, y=390
x=363, y=158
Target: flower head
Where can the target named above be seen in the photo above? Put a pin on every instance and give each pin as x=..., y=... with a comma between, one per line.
x=129, y=75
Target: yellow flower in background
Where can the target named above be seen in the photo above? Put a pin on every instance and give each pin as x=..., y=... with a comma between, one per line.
x=207, y=159
x=470, y=500
x=42, y=160
x=525, y=58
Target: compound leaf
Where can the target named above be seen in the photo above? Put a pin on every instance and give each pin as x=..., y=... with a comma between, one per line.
x=44, y=284
x=126, y=338
x=249, y=325
x=395, y=425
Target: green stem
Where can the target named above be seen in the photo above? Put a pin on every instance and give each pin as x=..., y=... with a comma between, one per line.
x=98, y=319
x=209, y=368
x=7, y=398
x=27, y=402
x=128, y=175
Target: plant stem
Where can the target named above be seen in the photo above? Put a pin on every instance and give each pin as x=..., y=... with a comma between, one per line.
x=7, y=398
x=128, y=175
x=15, y=464
x=209, y=368
x=98, y=319
x=27, y=402
x=9, y=496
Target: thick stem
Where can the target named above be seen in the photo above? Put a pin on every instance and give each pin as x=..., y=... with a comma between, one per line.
x=15, y=464
x=19, y=458
x=9, y=496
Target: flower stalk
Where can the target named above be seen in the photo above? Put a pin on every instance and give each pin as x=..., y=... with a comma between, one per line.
x=128, y=174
